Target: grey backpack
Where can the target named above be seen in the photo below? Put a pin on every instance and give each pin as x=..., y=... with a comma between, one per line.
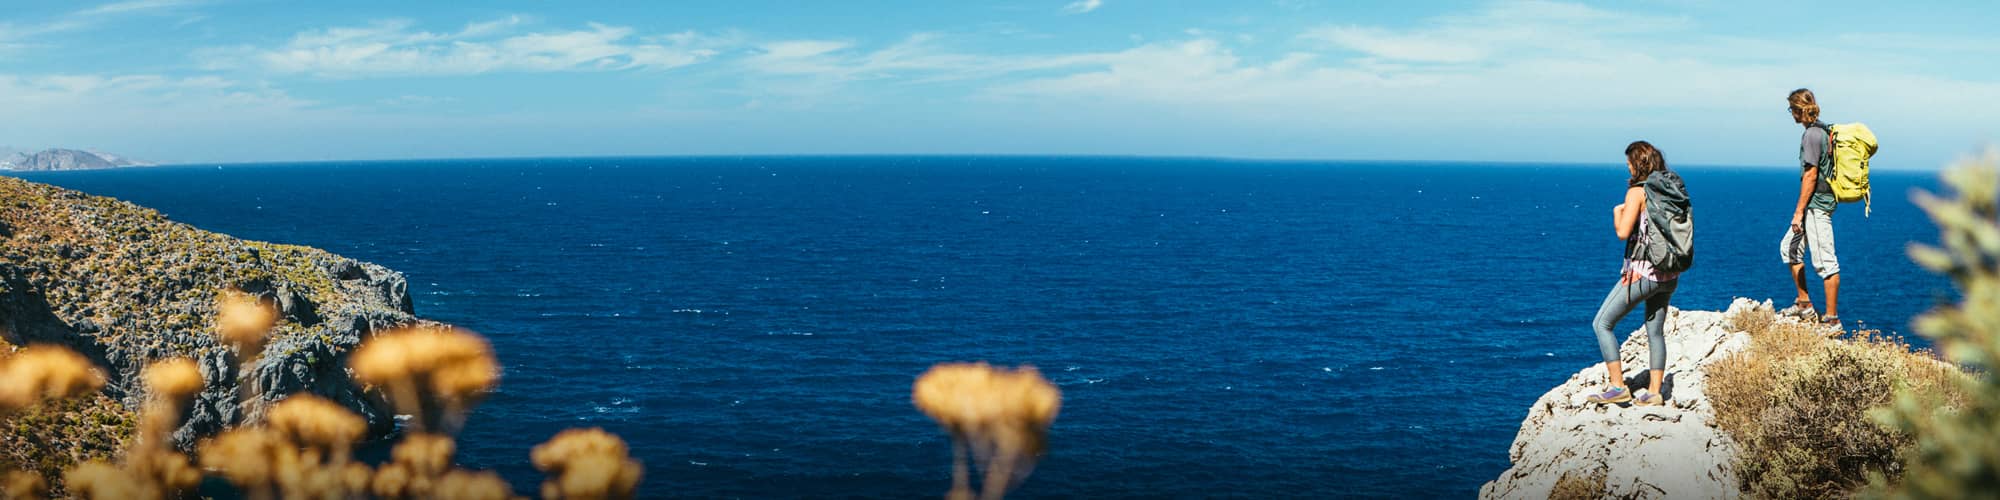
x=1668, y=239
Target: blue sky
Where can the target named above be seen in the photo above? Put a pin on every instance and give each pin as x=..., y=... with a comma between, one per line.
x=257, y=80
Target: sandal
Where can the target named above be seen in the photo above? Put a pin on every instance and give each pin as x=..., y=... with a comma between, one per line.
x=1802, y=309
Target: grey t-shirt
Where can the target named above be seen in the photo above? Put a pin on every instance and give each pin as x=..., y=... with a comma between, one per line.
x=1812, y=151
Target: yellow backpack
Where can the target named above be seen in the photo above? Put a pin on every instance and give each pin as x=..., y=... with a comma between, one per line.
x=1852, y=144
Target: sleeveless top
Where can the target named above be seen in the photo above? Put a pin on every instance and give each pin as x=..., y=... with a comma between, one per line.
x=1640, y=267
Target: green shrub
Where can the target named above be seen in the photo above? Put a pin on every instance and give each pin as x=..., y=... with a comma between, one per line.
x=1957, y=452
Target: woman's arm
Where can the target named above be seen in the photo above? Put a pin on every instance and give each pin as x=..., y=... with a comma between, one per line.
x=1627, y=218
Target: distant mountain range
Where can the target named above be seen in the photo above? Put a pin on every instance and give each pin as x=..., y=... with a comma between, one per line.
x=62, y=159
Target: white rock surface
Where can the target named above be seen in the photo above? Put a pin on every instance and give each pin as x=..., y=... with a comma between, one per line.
x=1671, y=451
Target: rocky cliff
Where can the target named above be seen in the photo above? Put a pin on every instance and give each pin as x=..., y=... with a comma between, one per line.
x=62, y=159
x=1671, y=451
x=125, y=286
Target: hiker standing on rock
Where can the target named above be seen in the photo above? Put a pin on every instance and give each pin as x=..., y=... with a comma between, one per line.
x=1812, y=219
x=1657, y=225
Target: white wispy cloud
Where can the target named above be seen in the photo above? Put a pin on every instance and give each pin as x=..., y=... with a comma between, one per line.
x=393, y=48
x=20, y=34
x=1082, y=6
x=136, y=6
x=918, y=58
x=1553, y=73
x=1502, y=30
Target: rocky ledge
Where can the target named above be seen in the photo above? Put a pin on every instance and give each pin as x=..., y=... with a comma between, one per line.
x=125, y=286
x=1670, y=451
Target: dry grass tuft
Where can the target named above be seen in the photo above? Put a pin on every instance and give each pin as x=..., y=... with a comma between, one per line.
x=1001, y=415
x=1753, y=321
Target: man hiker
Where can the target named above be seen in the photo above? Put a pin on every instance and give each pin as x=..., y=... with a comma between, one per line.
x=1812, y=219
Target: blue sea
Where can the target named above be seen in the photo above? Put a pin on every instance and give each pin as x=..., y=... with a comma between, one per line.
x=1217, y=327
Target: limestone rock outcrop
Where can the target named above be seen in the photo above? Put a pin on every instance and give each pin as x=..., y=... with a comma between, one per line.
x=1669, y=451
x=125, y=286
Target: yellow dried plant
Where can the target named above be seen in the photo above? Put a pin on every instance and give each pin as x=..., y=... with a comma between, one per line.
x=435, y=374
x=44, y=372
x=23, y=485
x=244, y=321
x=1000, y=416
x=319, y=425
x=587, y=464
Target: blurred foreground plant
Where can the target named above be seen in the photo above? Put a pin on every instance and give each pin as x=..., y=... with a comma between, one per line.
x=1001, y=415
x=587, y=463
x=150, y=468
x=41, y=373
x=302, y=446
x=1958, y=450
x=27, y=378
x=435, y=374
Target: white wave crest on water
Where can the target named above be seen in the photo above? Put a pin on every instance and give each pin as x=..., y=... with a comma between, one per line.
x=617, y=406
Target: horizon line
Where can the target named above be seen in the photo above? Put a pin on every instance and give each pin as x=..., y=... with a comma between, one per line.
x=1216, y=158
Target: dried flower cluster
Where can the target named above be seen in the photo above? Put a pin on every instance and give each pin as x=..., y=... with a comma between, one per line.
x=39, y=373
x=1001, y=415
x=22, y=485
x=303, y=446
x=433, y=373
x=243, y=320
x=587, y=464
x=150, y=469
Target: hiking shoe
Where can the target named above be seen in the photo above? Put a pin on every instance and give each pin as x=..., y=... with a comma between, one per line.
x=1832, y=322
x=1648, y=399
x=1612, y=395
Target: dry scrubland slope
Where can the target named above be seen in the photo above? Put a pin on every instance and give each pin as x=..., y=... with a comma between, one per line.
x=124, y=286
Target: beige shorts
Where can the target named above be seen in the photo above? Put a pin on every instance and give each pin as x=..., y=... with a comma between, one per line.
x=1817, y=234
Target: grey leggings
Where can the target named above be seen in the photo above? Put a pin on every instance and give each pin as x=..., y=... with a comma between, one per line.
x=1621, y=301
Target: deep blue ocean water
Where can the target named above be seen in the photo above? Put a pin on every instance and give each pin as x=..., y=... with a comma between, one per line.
x=752, y=325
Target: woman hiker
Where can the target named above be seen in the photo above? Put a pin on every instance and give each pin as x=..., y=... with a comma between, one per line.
x=1638, y=283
